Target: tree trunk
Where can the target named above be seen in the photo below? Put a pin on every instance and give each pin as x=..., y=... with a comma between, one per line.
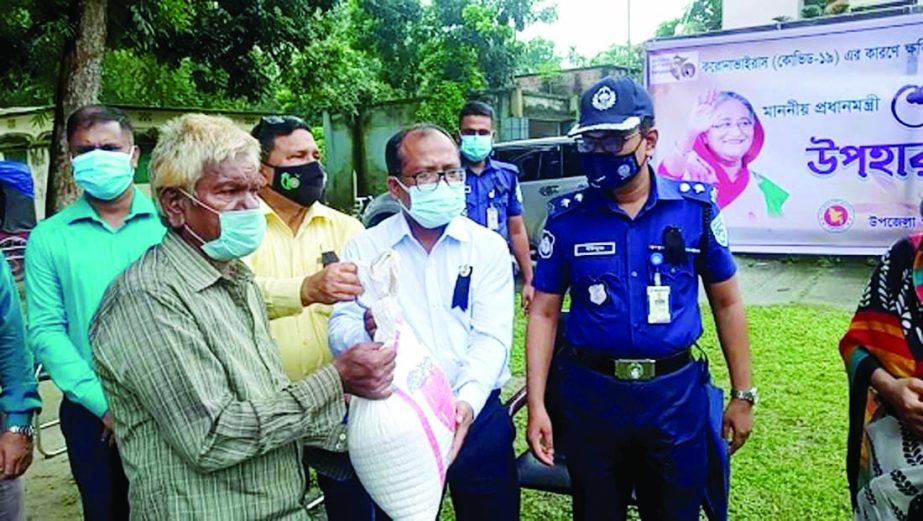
x=79, y=81
x=357, y=133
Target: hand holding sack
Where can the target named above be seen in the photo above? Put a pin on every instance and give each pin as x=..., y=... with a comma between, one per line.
x=399, y=446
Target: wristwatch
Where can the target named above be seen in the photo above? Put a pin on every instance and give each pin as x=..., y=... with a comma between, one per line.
x=748, y=395
x=26, y=430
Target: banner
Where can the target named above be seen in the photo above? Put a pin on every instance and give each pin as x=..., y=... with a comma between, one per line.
x=812, y=135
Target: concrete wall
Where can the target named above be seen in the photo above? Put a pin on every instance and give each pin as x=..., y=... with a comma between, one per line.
x=349, y=166
x=568, y=82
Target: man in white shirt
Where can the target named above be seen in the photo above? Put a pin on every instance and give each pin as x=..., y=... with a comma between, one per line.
x=456, y=292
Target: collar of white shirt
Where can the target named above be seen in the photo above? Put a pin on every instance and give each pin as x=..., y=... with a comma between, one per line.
x=399, y=229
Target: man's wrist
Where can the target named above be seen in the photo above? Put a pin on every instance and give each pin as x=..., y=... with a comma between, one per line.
x=750, y=395
x=307, y=291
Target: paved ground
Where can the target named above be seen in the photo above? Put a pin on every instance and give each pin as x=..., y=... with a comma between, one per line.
x=51, y=494
x=805, y=280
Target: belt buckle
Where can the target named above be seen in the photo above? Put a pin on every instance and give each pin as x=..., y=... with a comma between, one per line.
x=635, y=370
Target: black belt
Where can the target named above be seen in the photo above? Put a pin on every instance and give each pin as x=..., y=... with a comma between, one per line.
x=631, y=369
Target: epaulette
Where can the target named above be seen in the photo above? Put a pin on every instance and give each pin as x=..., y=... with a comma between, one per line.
x=564, y=203
x=701, y=192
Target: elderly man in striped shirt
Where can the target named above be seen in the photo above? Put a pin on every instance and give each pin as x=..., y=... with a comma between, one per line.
x=208, y=424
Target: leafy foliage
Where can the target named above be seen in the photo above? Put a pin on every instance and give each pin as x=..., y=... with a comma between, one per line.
x=701, y=16
x=445, y=50
x=301, y=56
x=537, y=56
x=631, y=57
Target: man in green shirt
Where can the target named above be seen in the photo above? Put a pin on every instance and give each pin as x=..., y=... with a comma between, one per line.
x=71, y=258
x=209, y=425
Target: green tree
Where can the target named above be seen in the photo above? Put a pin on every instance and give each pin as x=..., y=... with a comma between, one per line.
x=575, y=59
x=226, y=49
x=445, y=50
x=701, y=16
x=537, y=56
x=630, y=57
x=334, y=72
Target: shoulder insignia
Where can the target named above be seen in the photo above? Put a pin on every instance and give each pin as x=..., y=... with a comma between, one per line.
x=719, y=230
x=701, y=192
x=564, y=204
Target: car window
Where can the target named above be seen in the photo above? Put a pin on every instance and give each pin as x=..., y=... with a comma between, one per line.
x=573, y=167
x=551, y=164
x=527, y=159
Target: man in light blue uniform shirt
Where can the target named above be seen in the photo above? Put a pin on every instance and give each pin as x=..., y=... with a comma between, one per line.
x=456, y=293
x=19, y=399
x=492, y=191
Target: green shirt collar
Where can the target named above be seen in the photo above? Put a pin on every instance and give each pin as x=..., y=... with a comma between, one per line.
x=141, y=204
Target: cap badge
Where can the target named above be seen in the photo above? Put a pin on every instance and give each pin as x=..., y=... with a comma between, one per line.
x=604, y=98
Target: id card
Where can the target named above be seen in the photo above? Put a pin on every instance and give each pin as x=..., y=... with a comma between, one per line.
x=493, y=218
x=658, y=305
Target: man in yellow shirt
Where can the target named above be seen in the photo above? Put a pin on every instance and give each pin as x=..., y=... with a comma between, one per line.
x=296, y=270
x=293, y=265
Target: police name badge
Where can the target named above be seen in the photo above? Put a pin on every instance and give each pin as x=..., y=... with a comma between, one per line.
x=493, y=218
x=658, y=305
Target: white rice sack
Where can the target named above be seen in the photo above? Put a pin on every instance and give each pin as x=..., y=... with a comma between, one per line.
x=399, y=446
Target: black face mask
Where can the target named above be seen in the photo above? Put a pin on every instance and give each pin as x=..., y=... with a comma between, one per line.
x=302, y=184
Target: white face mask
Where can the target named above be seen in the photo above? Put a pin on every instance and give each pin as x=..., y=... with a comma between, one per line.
x=436, y=207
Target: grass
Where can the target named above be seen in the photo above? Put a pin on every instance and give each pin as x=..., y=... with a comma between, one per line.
x=793, y=466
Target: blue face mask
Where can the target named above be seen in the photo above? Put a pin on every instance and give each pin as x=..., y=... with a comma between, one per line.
x=103, y=174
x=608, y=172
x=436, y=207
x=241, y=232
x=476, y=148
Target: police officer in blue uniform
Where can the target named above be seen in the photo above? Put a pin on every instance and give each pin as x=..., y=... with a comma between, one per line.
x=630, y=249
x=492, y=191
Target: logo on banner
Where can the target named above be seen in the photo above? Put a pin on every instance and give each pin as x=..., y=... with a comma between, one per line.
x=674, y=67
x=907, y=106
x=836, y=216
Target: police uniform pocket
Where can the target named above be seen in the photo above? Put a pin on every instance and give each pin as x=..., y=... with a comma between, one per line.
x=683, y=286
x=605, y=294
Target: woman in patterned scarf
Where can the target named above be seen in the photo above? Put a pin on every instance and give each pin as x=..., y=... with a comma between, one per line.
x=883, y=351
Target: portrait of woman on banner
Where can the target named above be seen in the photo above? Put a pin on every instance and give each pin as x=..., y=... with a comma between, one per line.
x=723, y=138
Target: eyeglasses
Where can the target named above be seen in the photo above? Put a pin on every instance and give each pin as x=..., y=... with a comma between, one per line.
x=744, y=125
x=427, y=181
x=611, y=143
